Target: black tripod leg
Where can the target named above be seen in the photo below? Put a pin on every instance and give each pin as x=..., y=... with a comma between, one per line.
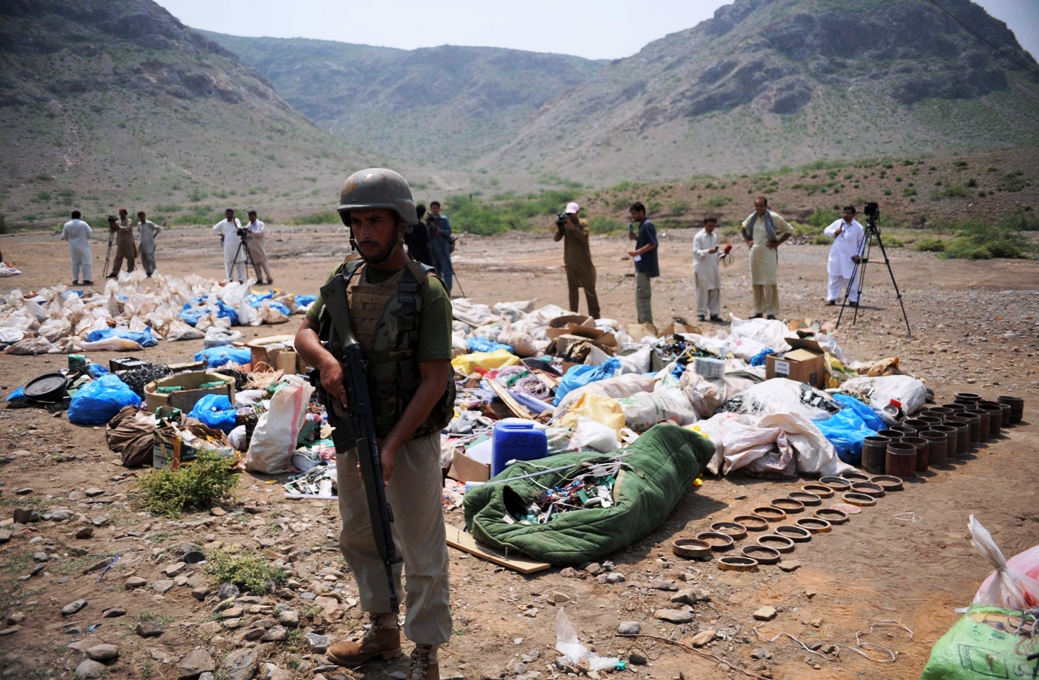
x=860, y=275
x=898, y=293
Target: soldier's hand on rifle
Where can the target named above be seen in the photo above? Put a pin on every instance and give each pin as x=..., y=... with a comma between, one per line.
x=332, y=379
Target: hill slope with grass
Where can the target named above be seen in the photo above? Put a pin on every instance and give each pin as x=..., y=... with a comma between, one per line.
x=112, y=103
x=445, y=105
x=773, y=83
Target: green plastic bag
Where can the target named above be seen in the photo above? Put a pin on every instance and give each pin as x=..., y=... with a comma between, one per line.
x=976, y=650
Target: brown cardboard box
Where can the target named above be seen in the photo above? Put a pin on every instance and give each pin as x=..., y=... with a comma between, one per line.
x=805, y=362
x=465, y=469
x=185, y=399
x=269, y=351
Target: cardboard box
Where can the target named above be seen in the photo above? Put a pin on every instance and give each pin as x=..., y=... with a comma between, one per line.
x=191, y=382
x=275, y=353
x=466, y=468
x=805, y=362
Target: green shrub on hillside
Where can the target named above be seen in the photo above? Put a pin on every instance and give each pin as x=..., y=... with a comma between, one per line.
x=604, y=225
x=930, y=244
x=325, y=217
x=201, y=485
x=248, y=570
x=977, y=240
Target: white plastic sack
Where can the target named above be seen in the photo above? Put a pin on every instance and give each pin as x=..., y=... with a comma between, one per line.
x=178, y=330
x=779, y=395
x=591, y=434
x=521, y=342
x=247, y=315
x=705, y=396
x=34, y=345
x=218, y=337
x=270, y=314
x=7, y=270
x=645, y=409
x=274, y=438
x=769, y=332
x=639, y=362
x=1008, y=588
x=55, y=329
x=9, y=336
x=878, y=393
x=236, y=438
x=830, y=346
x=615, y=388
x=112, y=344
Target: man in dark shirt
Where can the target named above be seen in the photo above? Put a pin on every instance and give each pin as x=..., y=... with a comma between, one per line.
x=416, y=238
x=647, y=267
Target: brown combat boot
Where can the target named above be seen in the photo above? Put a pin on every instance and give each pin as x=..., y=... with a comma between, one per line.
x=382, y=639
x=424, y=663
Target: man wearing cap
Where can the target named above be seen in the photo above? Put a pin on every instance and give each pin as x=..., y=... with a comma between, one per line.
x=401, y=316
x=764, y=231
x=125, y=246
x=847, y=235
x=577, y=258
x=705, y=271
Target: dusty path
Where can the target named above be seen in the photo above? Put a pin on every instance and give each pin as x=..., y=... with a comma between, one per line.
x=975, y=326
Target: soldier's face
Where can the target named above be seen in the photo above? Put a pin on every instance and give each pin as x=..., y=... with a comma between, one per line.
x=375, y=231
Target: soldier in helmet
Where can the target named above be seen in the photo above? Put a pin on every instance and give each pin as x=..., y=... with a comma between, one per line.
x=401, y=315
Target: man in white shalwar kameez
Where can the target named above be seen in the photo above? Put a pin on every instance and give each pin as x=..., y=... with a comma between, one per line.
x=847, y=235
x=234, y=253
x=77, y=233
x=705, y=271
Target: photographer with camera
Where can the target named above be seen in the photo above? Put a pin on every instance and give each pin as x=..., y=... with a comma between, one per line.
x=441, y=243
x=232, y=236
x=577, y=257
x=847, y=235
x=125, y=248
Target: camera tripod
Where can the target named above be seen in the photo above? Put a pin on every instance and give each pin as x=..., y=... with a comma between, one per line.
x=243, y=247
x=858, y=278
x=108, y=256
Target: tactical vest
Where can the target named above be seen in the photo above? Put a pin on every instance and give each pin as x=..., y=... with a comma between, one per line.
x=385, y=319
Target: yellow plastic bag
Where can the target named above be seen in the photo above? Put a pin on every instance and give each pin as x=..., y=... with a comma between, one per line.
x=467, y=363
x=597, y=407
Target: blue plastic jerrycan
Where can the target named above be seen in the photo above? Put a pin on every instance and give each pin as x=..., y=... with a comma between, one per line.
x=516, y=439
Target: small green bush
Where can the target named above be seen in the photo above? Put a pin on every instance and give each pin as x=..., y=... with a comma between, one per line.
x=894, y=242
x=604, y=225
x=326, y=217
x=822, y=240
x=248, y=570
x=964, y=249
x=954, y=191
x=718, y=201
x=930, y=244
x=201, y=485
x=678, y=208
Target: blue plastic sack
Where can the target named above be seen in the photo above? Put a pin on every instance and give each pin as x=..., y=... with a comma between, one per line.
x=98, y=401
x=579, y=376
x=485, y=345
x=215, y=357
x=143, y=338
x=215, y=411
x=97, y=370
x=846, y=430
x=16, y=394
x=190, y=313
x=305, y=300
x=759, y=358
x=864, y=411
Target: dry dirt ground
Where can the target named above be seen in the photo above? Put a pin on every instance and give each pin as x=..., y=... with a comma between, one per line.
x=909, y=558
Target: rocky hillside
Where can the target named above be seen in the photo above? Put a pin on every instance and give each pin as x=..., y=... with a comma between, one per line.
x=772, y=83
x=108, y=102
x=442, y=104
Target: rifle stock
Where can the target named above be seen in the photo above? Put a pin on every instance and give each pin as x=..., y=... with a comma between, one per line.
x=355, y=427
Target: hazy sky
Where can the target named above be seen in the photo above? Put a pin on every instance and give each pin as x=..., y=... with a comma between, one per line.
x=597, y=29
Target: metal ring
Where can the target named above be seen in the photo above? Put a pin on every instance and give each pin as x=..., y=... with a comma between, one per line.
x=868, y=488
x=836, y=483
x=718, y=542
x=859, y=499
x=794, y=533
x=820, y=490
x=806, y=499
x=735, y=530
x=855, y=476
x=788, y=505
x=752, y=522
x=815, y=525
x=888, y=482
x=776, y=542
x=832, y=515
x=763, y=554
x=770, y=514
x=737, y=563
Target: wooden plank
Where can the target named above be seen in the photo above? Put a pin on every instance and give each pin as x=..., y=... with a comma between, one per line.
x=516, y=561
x=518, y=409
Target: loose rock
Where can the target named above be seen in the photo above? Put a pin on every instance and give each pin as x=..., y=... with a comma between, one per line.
x=637, y=657
x=629, y=628
x=196, y=662
x=89, y=669
x=789, y=565
x=227, y=590
x=673, y=615
x=319, y=644
x=113, y=613
x=26, y=515
x=765, y=614
x=73, y=607
x=240, y=664
x=703, y=637
x=15, y=618
x=85, y=532
x=289, y=618
x=163, y=587
x=148, y=629
x=276, y=634
x=135, y=582
x=103, y=652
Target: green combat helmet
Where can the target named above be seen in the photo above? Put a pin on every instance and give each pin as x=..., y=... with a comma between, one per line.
x=374, y=189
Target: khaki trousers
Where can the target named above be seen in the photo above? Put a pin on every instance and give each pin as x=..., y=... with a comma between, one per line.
x=766, y=300
x=575, y=280
x=414, y=494
x=643, y=298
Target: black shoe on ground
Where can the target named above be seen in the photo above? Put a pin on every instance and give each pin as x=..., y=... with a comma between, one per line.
x=110, y=276
x=75, y=283
x=269, y=281
x=757, y=316
x=831, y=303
x=854, y=304
x=771, y=317
x=701, y=317
x=88, y=283
x=716, y=318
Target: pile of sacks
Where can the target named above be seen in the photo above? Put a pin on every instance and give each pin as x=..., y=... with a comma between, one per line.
x=130, y=314
x=775, y=427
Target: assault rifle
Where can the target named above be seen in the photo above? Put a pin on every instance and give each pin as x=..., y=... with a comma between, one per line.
x=355, y=427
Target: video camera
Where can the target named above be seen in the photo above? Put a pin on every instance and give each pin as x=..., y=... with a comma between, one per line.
x=243, y=233
x=561, y=219
x=430, y=219
x=872, y=210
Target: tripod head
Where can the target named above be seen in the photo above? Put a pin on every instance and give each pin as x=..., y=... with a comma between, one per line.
x=872, y=210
